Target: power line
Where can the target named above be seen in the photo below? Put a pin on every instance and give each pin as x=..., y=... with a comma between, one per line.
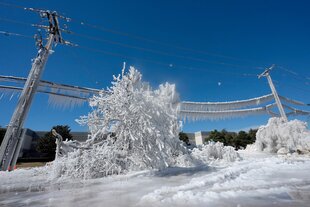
x=11, y=5
x=5, y=33
x=157, y=51
x=295, y=75
x=168, y=65
x=141, y=38
x=163, y=53
x=15, y=21
x=137, y=37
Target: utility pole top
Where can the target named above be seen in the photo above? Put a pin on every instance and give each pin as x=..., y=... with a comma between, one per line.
x=266, y=72
x=53, y=25
x=11, y=144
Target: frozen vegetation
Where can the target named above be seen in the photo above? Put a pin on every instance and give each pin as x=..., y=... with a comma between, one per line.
x=133, y=157
x=134, y=128
x=215, y=151
x=283, y=137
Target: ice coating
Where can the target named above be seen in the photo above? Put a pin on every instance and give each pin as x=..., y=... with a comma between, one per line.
x=277, y=134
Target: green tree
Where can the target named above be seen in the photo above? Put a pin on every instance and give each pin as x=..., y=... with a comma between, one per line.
x=240, y=140
x=252, y=134
x=47, y=145
x=183, y=136
x=237, y=140
x=217, y=136
x=229, y=138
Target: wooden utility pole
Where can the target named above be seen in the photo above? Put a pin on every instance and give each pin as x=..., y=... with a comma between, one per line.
x=266, y=74
x=9, y=149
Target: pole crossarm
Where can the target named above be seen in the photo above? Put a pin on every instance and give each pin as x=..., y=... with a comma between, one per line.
x=266, y=74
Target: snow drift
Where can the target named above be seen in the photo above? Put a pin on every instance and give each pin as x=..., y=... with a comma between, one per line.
x=280, y=136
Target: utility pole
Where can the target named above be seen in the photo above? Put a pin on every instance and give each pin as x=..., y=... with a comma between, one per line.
x=9, y=148
x=266, y=74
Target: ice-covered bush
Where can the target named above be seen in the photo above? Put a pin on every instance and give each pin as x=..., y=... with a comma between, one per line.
x=215, y=151
x=278, y=134
x=133, y=127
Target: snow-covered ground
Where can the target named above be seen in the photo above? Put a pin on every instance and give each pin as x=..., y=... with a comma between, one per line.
x=259, y=179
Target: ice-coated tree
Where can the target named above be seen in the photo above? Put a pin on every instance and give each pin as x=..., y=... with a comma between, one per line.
x=133, y=127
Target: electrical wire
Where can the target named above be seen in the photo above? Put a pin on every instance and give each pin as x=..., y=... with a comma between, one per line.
x=11, y=5
x=15, y=21
x=157, y=51
x=295, y=75
x=163, y=53
x=168, y=65
x=5, y=33
x=141, y=38
x=137, y=37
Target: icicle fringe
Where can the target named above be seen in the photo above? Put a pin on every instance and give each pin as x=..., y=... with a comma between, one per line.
x=65, y=102
x=220, y=115
x=219, y=106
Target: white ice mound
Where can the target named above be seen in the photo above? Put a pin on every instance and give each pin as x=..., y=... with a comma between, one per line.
x=133, y=127
x=215, y=151
x=279, y=135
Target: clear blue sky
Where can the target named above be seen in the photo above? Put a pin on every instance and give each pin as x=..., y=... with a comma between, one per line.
x=236, y=37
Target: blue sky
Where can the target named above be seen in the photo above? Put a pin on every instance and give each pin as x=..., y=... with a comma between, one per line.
x=224, y=39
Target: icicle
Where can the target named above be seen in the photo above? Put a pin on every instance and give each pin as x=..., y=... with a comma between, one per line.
x=12, y=96
x=9, y=90
x=212, y=106
x=63, y=101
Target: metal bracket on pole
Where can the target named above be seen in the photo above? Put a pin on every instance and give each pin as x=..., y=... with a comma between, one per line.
x=266, y=74
x=9, y=147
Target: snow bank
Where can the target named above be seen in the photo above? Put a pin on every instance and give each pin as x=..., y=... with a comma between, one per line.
x=278, y=135
x=215, y=151
x=132, y=128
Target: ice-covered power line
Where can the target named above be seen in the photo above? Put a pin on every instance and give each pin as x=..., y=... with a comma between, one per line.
x=305, y=80
x=6, y=33
x=144, y=39
x=71, y=96
x=168, y=65
x=13, y=21
x=144, y=49
x=158, y=52
x=49, y=84
x=11, y=5
x=213, y=106
x=141, y=38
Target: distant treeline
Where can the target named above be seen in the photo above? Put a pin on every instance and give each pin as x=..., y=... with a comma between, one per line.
x=237, y=140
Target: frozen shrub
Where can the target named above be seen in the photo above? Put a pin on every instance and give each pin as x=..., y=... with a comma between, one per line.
x=277, y=134
x=215, y=151
x=133, y=127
